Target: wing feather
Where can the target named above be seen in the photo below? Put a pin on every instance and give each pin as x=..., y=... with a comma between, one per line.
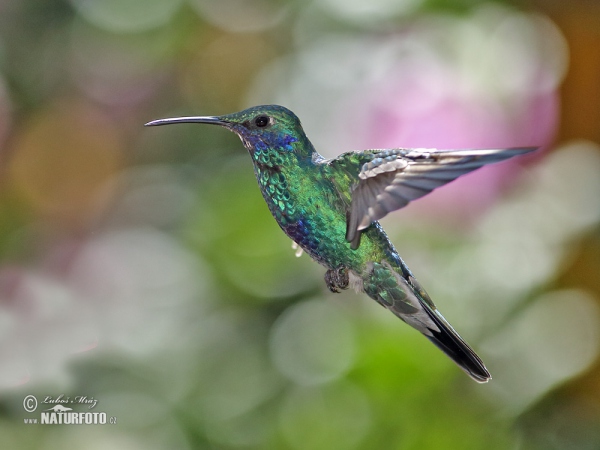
x=393, y=178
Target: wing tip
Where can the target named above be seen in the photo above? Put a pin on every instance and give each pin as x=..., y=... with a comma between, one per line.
x=353, y=231
x=353, y=238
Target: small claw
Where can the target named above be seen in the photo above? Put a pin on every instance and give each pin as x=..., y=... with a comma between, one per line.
x=330, y=281
x=298, y=249
x=337, y=279
x=342, y=278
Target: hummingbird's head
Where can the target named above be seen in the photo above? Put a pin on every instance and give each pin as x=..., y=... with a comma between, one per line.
x=259, y=127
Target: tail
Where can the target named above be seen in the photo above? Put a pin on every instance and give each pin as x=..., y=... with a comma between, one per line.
x=448, y=341
x=402, y=294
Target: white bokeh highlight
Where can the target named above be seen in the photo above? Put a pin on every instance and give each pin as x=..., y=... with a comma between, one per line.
x=312, y=342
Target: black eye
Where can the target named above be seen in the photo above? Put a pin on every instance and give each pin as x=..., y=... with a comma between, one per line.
x=261, y=121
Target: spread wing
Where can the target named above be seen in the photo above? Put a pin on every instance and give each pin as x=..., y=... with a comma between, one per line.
x=393, y=178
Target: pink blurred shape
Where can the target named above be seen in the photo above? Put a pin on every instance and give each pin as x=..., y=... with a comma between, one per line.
x=428, y=107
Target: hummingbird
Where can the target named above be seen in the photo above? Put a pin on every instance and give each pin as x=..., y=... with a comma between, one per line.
x=330, y=208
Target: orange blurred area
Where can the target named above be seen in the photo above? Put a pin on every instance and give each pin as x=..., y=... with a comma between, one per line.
x=63, y=159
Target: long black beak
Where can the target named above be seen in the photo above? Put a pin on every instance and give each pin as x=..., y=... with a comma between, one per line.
x=193, y=119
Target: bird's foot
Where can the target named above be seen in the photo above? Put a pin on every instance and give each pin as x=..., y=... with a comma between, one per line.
x=337, y=279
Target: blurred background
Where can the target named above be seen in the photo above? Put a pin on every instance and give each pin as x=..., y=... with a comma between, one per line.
x=141, y=267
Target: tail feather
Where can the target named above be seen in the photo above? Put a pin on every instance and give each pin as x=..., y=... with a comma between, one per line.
x=448, y=341
x=399, y=291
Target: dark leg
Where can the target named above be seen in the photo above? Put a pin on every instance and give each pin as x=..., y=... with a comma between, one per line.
x=329, y=281
x=337, y=279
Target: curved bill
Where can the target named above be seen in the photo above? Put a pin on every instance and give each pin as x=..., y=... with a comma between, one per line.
x=192, y=119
